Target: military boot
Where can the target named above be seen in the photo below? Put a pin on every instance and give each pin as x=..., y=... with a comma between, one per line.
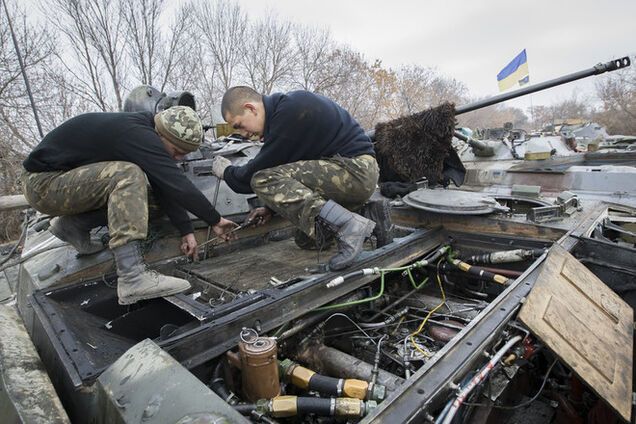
x=350, y=228
x=377, y=209
x=136, y=283
x=76, y=230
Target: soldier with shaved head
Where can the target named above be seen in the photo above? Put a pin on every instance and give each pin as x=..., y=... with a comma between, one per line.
x=315, y=167
x=97, y=168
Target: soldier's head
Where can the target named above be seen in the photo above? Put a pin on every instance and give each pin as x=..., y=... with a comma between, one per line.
x=243, y=109
x=180, y=129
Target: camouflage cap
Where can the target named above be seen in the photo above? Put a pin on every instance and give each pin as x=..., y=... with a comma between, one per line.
x=181, y=126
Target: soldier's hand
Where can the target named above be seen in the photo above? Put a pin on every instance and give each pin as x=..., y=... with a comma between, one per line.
x=219, y=163
x=259, y=216
x=223, y=229
x=189, y=246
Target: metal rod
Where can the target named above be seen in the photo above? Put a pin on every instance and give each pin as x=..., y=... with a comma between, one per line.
x=23, y=70
x=596, y=70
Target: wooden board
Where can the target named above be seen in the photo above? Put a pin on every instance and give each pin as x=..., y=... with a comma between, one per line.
x=253, y=268
x=586, y=324
x=9, y=203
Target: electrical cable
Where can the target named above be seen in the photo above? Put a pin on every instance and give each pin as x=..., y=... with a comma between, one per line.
x=419, y=329
x=354, y=323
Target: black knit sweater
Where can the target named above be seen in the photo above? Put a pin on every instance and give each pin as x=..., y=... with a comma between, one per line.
x=301, y=126
x=129, y=137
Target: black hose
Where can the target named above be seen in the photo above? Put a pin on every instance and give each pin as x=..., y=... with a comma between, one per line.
x=319, y=406
x=218, y=384
x=325, y=385
x=245, y=408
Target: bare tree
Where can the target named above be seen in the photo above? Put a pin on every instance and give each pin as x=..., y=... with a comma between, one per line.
x=95, y=31
x=179, y=57
x=143, y=35
x=413, y=89
x=618, y=95
x=313, y=49
x=269, y=54
x=222, y=25
x=17, y=122
x=18, y=131
x=494, y=116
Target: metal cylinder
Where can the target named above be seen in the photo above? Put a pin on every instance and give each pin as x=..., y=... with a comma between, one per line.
x=259, y=368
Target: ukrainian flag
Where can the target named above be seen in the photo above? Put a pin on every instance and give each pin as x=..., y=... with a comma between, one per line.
x=516, y=72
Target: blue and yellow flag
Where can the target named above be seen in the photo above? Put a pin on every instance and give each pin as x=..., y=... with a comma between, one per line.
x=516, y=72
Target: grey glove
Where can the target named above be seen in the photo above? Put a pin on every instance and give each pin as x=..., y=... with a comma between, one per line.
x=219, y=164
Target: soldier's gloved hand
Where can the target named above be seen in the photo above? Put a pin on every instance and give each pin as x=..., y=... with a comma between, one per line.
x=259, y=216
x=219, y=163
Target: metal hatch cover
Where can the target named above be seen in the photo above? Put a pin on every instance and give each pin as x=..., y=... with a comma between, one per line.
x=586, y=324
x=457, y=202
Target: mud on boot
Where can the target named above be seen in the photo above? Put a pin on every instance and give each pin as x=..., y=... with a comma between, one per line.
x=135, y=282
x=351, y=230
x=76, y=230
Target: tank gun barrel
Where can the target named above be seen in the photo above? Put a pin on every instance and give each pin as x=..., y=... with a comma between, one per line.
x=596, y=70
x=480, y=148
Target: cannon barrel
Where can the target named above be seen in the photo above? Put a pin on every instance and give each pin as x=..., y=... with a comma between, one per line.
x=596, y=70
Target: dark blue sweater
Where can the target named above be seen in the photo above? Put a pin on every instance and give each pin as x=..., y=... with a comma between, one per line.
x=301, y=125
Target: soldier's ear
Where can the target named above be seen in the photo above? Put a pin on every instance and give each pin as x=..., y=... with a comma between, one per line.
x=250, y=107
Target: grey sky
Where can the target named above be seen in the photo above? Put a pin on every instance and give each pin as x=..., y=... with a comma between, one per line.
x=472, y=40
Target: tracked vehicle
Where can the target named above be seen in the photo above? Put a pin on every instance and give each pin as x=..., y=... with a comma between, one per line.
x=477, y=307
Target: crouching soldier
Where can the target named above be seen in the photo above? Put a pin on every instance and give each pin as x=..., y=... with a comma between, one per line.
x=99, y=165
x=316, y=165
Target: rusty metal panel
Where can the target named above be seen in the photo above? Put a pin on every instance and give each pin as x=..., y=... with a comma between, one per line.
x=586, y=324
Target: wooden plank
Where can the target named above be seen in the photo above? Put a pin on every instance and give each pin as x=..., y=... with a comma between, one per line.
x=586, y=324
x=9, y=203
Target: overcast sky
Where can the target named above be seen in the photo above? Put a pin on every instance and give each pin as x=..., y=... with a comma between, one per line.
x=473, y=40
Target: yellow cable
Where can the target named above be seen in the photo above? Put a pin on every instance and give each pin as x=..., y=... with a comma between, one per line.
x=419, y=330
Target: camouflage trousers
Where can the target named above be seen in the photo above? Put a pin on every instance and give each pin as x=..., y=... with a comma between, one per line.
x=121, y=188
x=298, y=190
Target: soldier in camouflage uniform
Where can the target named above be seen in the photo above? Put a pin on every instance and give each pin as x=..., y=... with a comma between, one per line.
x=98, y=168
x=315, y=166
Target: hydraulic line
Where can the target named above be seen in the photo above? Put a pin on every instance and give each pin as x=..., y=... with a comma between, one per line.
x=218, y=385
x=478, y=378
x=289, y=406
x=376, y=362
x=505, y=256
x=307, y=379
x=477, y=272
x=406, y=270
x=390, y=320
x=380, y=271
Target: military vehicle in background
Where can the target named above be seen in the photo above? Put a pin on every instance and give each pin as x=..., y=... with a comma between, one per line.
x=492, y=303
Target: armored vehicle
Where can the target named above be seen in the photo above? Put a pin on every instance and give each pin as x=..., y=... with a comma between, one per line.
x=475, y=307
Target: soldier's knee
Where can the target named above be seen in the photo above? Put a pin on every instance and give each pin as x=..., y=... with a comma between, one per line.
x=133, y=174
x=260, y=179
